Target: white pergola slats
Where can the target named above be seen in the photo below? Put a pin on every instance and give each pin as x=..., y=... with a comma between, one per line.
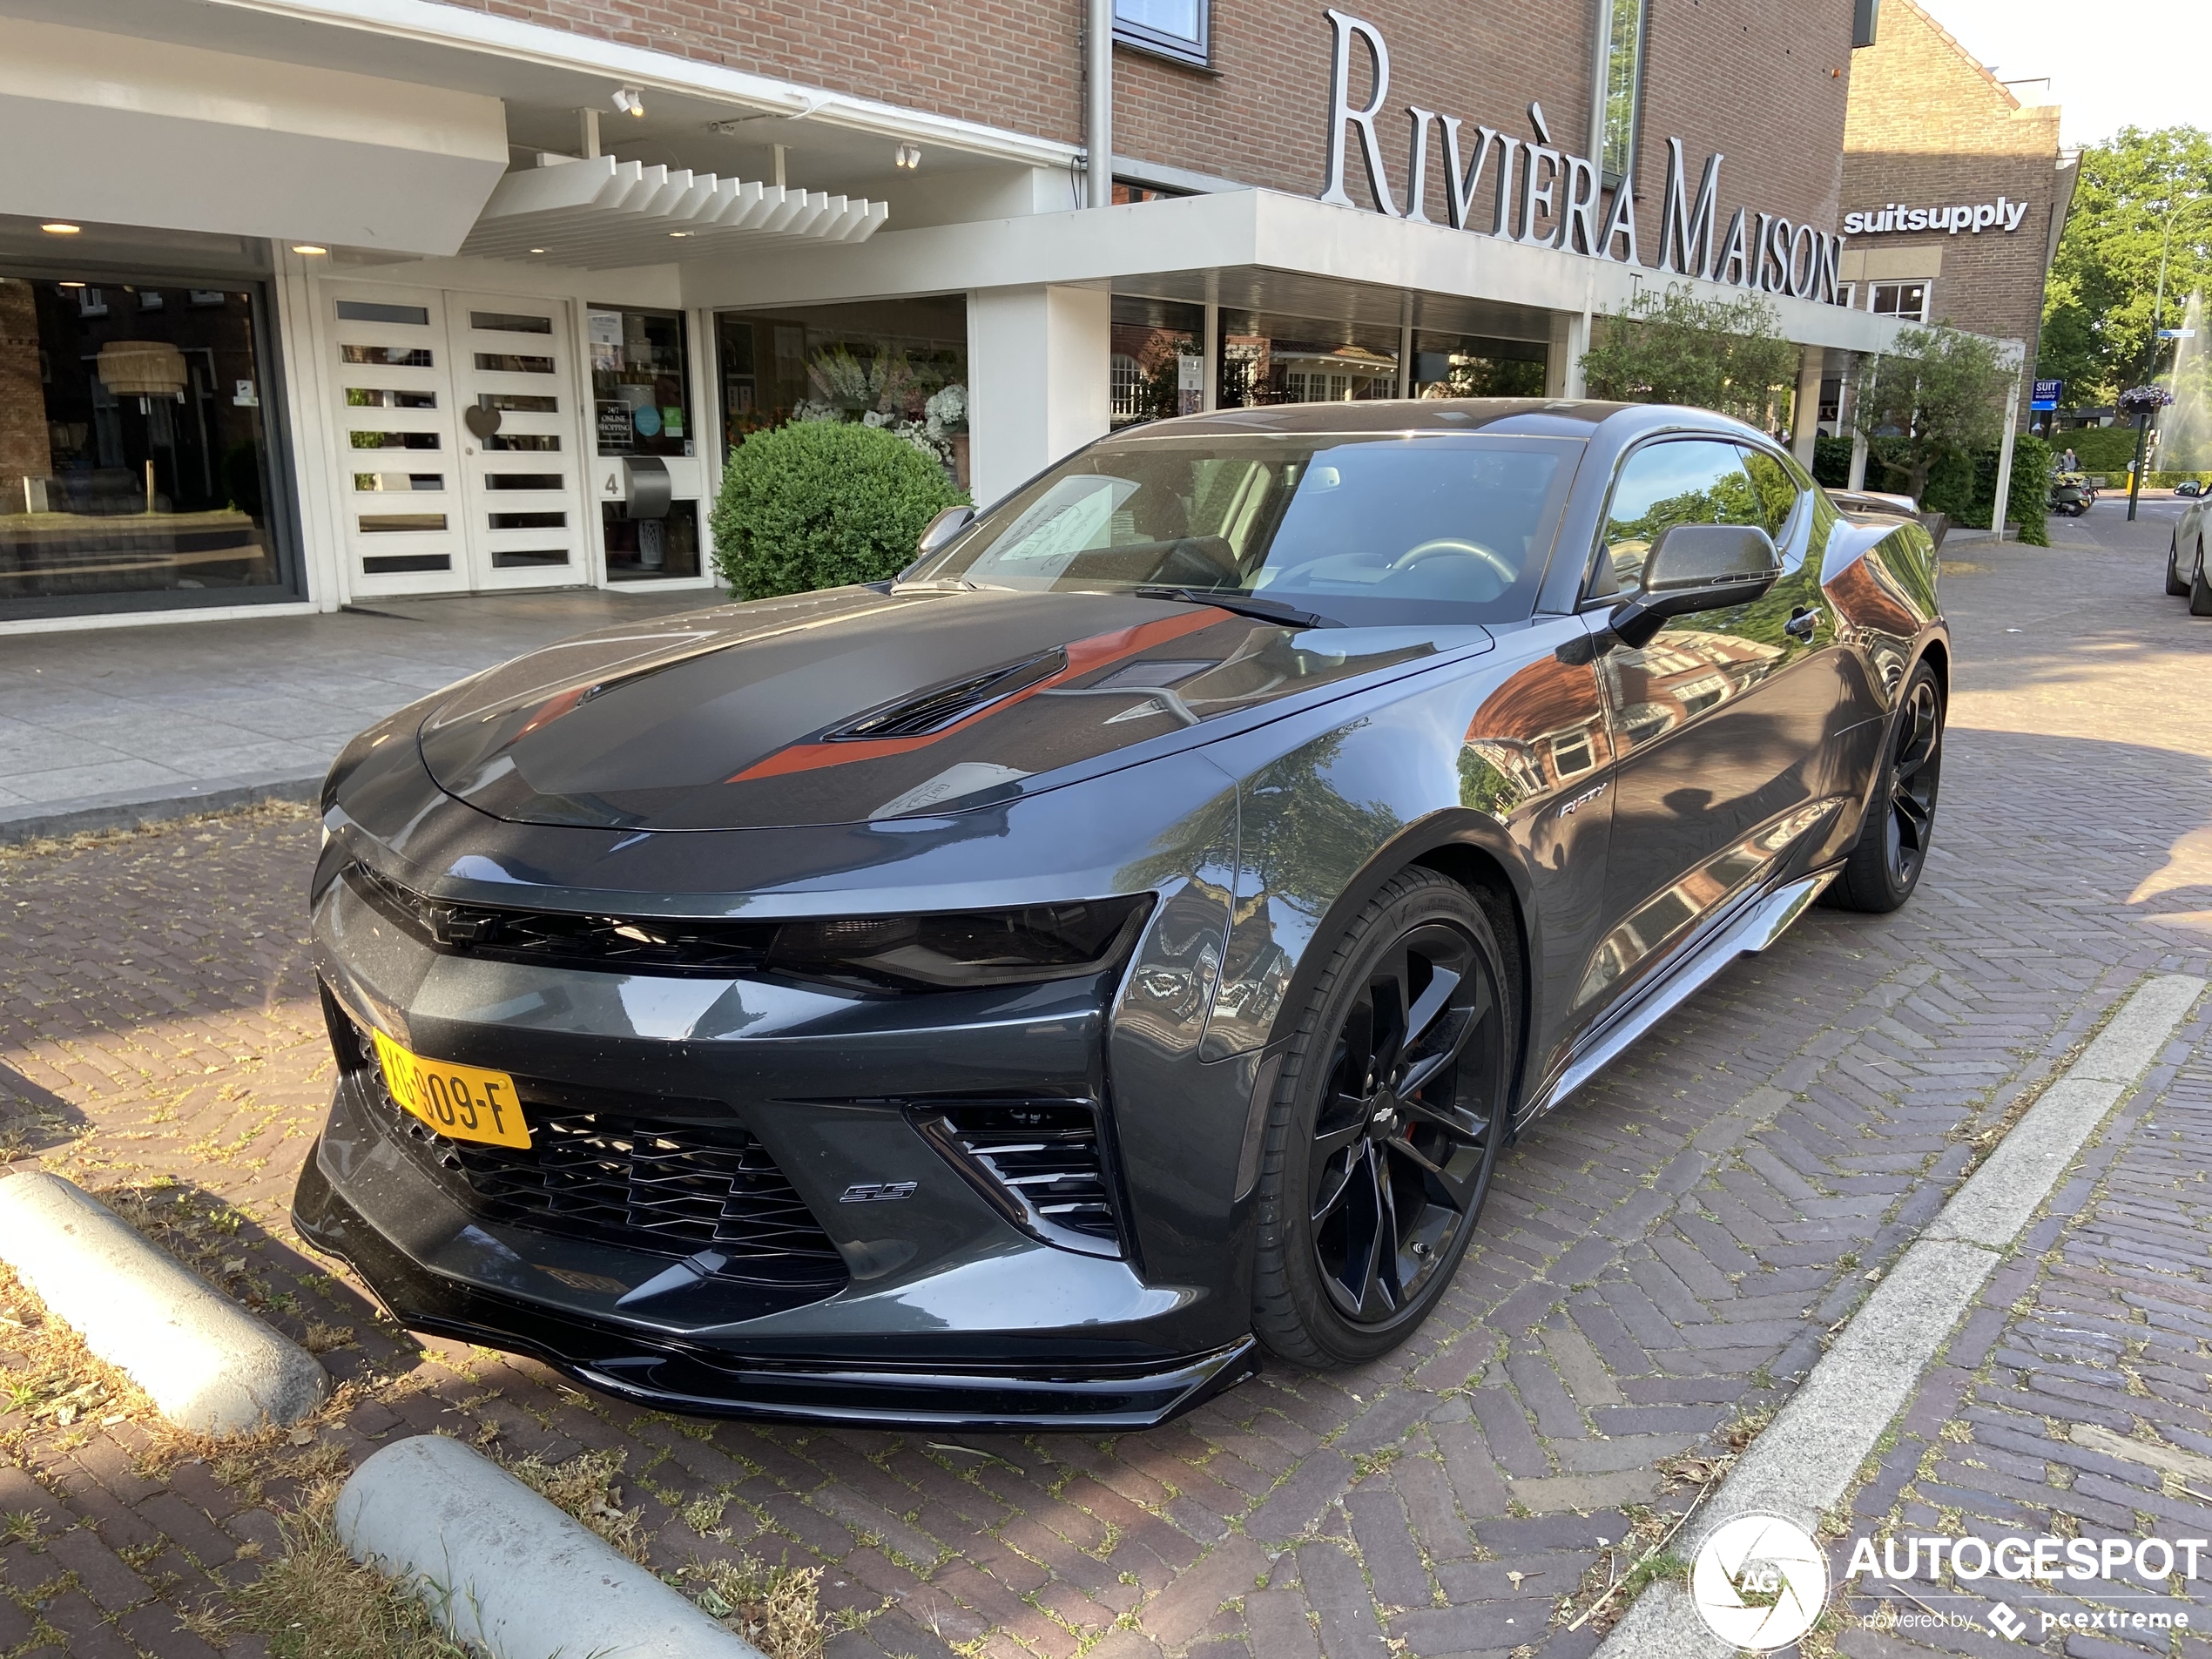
x=603, y=212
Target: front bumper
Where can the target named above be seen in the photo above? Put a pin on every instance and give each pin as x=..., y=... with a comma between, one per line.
x=696, y=1380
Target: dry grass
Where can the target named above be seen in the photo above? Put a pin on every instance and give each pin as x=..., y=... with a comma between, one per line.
x=779, y=1610
x=50, y=1378
x=584, y=1485
x=45, y=847
x=315, y=1601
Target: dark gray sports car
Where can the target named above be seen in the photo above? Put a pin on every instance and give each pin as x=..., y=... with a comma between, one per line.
x=1016, y=993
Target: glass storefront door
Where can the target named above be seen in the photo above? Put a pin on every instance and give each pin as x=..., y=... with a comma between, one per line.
x=134, y=453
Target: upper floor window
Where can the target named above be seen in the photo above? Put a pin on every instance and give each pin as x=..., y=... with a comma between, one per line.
x=1620, y=84
x=1173, y=28
x=1907, y=301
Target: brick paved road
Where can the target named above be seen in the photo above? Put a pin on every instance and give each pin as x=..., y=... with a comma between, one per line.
x=1662, y=1258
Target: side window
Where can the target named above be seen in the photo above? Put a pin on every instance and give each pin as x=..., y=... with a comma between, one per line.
x=1682, y=481
x=1776, y=488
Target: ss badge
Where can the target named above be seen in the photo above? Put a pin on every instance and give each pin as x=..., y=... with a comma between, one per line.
x=877, y=1192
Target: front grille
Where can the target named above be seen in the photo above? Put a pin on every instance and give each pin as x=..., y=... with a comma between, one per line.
x=1042, y=1164
x=566, y=939
x=626, y=1177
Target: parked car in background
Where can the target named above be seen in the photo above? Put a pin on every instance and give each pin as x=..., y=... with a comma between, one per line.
x=2185, y=558
x=1014, y=995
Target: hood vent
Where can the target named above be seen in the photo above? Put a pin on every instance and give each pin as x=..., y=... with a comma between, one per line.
x=1041, y=1164
x=927, y=713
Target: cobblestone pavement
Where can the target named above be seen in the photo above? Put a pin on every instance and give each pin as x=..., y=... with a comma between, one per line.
x=1662, y=1258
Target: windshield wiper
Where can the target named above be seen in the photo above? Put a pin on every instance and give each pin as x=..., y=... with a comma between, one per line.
x=1242, y=604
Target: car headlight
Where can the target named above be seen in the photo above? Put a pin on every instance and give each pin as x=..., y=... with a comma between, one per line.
x=962, y=948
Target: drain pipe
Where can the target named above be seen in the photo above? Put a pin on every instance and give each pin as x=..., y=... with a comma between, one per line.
x=1098, y=106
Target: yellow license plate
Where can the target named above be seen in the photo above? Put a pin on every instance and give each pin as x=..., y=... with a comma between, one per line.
x=467, y=1103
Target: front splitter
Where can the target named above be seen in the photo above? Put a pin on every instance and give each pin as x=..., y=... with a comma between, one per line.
x=702, y=1382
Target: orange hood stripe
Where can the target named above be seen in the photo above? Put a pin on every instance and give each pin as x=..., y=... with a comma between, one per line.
x=1084, y=655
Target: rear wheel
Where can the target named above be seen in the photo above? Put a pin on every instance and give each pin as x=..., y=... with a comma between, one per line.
x=2200, y=590
x=1385, y=1128
x=1893, y=848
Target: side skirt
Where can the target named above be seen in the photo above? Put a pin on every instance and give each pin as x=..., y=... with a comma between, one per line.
x=1760, y=924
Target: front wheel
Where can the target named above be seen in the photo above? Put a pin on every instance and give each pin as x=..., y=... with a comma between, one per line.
x=1385, y=1127
x=1892, y=847
x=2176, y=587
x=2200, y=590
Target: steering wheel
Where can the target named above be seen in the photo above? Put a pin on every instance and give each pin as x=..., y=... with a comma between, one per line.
x=1450, y=547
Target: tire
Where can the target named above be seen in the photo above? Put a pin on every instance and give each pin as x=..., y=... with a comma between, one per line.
x=1892, y=847
x=1384, y=1131
x=2175, y=588
x=2200, y=591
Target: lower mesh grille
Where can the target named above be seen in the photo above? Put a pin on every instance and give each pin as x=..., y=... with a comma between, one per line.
x=1043, y=1162
x=644, y=1183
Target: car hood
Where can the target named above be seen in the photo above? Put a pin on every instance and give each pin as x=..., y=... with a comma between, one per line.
x=854, y=705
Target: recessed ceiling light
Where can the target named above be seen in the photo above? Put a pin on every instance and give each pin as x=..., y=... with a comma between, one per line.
x=537, y=250
x=71, y=285
x=60, y=229
x=307, y=247
x=679, y=232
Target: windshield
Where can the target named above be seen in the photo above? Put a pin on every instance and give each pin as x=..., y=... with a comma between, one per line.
x=1376, y=530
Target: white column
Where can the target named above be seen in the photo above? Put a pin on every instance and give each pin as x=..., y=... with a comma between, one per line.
x=1804, y=418
x=1038, y=380
x=2005, y=456
x=1861, y=364
x=1563, y=365
x=1212, y=398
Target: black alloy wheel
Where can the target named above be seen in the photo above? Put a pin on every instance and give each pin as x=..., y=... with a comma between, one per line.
x=1892, y=847
x=2200, y=590
x=2175, y=585
x=1385, y=1126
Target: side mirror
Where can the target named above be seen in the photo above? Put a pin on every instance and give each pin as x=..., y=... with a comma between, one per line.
x=941, y=528
x=1697, y=567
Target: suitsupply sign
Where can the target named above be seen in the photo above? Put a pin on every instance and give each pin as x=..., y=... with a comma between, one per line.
x=1541, y=195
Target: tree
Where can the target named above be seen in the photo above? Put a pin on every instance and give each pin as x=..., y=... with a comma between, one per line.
x=2097, y=306
x=1668, y=346
x=1937, y=394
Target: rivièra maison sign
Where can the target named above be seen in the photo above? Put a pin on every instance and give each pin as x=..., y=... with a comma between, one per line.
x=1542, y=196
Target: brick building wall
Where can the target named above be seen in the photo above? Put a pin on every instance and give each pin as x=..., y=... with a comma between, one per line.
x=1766, y=85
x=1929, y=126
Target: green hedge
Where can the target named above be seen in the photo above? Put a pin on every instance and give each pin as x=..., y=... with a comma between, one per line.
x=2101, y=449
x=1831, y=462
x=1966, y=485
x=821, y=503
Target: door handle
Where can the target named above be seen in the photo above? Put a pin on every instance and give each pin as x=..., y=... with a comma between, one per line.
x=1803, y=624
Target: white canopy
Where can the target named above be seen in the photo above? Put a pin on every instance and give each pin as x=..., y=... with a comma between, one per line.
x=604, y=212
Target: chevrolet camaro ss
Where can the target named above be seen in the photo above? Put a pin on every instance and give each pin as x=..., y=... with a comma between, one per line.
x=1019, y=993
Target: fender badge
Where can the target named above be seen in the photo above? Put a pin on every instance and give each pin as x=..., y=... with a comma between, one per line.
x=878, y=1191
x=1581, y=801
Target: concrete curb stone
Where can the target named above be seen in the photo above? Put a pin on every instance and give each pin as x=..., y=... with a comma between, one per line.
x=503, y=1569
x=135, y=809
x=208, y=1363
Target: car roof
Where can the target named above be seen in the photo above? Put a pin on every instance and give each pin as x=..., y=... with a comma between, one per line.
x=1504, y=416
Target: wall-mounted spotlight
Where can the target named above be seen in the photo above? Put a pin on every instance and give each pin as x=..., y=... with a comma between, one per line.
x=628, y=100
x=908, y=156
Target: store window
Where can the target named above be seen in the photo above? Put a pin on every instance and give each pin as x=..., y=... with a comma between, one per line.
x=1471, y=366
x=1158, y=365
x=1174, y=29
x=1266, y=359
x=134, y=458
x=1907, y=301
x=1621, y=86
x=639, y=380
x=897, y=364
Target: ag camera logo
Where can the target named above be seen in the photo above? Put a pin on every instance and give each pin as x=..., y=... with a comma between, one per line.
x=1759, y=1581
